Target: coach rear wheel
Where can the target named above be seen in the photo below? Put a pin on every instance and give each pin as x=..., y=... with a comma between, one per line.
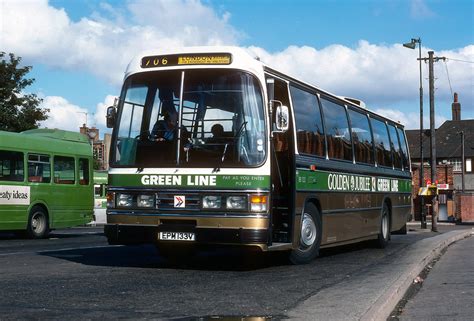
x=38, y=225
x=384, y=232
x=310, y=238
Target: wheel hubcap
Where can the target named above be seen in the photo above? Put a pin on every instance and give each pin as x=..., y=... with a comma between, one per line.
x=37, y=222
x=308, y=230
x=385, y=225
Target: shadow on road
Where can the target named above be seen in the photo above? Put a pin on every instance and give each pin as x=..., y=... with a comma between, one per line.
x=147, y=256
x=211, y=259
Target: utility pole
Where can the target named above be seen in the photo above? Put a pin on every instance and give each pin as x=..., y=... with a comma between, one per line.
x=431, y=59
x=463, y=161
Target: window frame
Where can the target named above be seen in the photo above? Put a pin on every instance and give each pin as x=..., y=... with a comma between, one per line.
x=319, y=110
x=39, y=161
x=60, y=181
x=372, y=151
x=23, y=175
x=323, y=97
x=383, y=121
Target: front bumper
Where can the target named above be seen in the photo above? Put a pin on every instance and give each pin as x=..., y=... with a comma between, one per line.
x=134, y=234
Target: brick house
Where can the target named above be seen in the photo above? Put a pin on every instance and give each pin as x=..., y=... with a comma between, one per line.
x=449, y=163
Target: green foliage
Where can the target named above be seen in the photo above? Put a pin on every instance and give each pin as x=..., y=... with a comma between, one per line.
x=18, y=111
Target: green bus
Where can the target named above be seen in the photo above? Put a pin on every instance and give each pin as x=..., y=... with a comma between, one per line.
x=212, y=146
x=45, y=181
x=100, y=201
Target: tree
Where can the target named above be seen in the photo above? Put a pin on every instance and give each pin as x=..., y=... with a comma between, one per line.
x=18, y=111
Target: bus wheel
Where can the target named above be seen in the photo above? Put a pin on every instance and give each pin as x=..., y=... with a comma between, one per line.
x=38, y=225
x=310, y=238
x=384, y=232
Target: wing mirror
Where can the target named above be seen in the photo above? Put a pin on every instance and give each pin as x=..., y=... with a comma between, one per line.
x=282, y=117
x=111, y=116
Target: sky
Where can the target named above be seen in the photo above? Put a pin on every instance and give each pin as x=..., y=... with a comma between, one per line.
x=79, y=49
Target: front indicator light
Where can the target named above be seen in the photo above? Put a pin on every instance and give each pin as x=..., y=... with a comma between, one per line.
x=146, y=201
x=110, y=200
x=258, y=203
x=236, y=202
x=211, y=201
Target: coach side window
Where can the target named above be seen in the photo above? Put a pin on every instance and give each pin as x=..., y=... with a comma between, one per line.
x=39, y=168
x=396, y=150
x=11, y=166
x=361, y=137
x=403, y=144
x=64, y=172
x=83, y=171
x=309, y=126
x=382, y=143
x=337, y=130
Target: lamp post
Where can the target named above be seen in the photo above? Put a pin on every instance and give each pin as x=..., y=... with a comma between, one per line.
x=412, y=45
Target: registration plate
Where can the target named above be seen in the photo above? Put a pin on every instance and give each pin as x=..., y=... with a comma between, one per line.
x=177, y=236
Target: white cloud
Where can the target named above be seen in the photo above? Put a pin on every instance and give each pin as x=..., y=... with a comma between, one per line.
x=411, y=120
x=380, y=75
x=67, y=116
x=101, y=110
x=62, y=114
x=103, y=46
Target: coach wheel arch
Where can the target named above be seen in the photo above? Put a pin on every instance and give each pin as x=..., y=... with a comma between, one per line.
x=310, y=235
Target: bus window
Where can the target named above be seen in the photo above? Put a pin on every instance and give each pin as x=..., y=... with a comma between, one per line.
x=64, y=170
x=11, y=166
x=403, y=144
x=39, y=168
x=337, y=130
x=309, y=127
x=395, y=144
x=97, y=190
x=83, y=171
x=382, y=143
x=362, y=137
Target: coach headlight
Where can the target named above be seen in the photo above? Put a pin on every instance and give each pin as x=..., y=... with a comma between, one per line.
x=211, y=202
x=237, y=202
x=146, y=201
x=124, y=200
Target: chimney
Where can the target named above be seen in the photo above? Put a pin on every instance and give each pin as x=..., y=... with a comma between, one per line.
x=456, y=108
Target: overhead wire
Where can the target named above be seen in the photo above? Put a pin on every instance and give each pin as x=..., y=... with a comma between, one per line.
x=447, y=73
x=470, y=62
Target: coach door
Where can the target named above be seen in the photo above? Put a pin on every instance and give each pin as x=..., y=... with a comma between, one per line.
x=282, y=160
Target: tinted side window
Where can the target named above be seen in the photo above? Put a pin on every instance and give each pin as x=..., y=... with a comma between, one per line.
x=11, y=166
x=403, y=144
x=397, y=152
x=382, y=143
x=83, y=171
x=361, y=137
x=309, y=126
x=64, y=172
x=337, y=130
x=39, y=168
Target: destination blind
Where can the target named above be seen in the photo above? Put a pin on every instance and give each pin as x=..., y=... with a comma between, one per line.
x=186, y=60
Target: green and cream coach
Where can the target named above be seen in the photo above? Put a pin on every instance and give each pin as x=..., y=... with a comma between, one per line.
x=211, y=146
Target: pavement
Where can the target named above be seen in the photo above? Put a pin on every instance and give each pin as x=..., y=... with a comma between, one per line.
x=448, y=290
x=360, y=299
